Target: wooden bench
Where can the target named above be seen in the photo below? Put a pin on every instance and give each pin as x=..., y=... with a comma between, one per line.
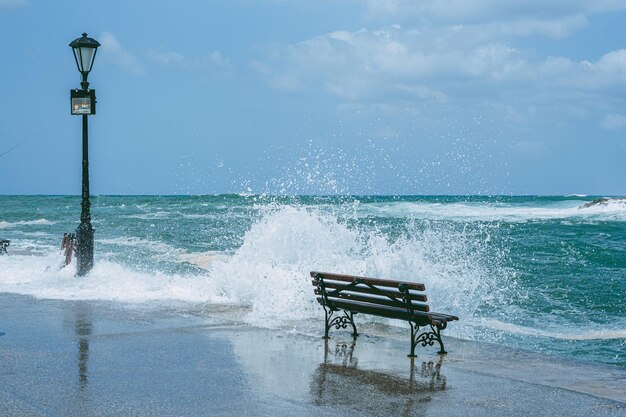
x=4, y=244
x=378, y=297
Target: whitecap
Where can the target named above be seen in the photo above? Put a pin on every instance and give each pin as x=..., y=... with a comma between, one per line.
x=6, y=225
x=468, y=212
x=590, y=334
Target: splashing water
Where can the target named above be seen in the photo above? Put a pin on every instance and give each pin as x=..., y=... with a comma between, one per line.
x=287, y=242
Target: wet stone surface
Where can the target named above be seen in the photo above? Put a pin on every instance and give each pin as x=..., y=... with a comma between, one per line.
x=62, y=358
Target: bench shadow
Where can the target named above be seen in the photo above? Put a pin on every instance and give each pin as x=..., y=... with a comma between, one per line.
x=340, y=382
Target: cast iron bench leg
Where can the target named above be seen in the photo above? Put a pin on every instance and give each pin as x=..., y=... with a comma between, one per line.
x=437, y=330
x=338, y=322
x=427, y=338
x=327, y=314
x=354, y=332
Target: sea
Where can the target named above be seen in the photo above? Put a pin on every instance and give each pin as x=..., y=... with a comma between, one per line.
x=539, y=273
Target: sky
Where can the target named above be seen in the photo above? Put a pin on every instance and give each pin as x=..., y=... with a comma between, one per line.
x=318, y=97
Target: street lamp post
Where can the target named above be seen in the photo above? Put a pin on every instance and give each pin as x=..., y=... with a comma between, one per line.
x=83, y=102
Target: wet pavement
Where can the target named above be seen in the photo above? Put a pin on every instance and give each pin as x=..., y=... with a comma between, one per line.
x=89, y=358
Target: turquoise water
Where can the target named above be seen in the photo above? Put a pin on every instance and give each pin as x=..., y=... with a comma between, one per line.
x=541, y=273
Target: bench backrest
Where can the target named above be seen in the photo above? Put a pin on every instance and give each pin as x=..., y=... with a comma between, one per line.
x=370, y=290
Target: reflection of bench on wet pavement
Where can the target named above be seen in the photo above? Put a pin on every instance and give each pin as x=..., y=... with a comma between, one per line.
x=339, y=381
x=378, y=297
x=4, y=244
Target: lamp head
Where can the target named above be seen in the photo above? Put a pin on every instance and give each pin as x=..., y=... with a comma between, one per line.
x=84, y=49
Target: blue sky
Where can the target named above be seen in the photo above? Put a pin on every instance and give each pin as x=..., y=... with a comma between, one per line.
x=299, y=97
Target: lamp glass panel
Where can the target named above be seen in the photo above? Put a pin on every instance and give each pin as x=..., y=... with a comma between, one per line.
x=77, y=57
x=81, y=105
x=86, y=58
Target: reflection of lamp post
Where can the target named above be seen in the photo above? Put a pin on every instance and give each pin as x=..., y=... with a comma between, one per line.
x=83, y=102
x=82, y=330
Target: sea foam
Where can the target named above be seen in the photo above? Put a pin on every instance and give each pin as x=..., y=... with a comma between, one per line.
x=608, y=333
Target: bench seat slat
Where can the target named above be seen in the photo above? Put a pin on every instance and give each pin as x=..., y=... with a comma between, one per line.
x=374, y=281
x=374, y=300
x=386, y=311
x=421, y=318
x=367, y=290
x=443, y=317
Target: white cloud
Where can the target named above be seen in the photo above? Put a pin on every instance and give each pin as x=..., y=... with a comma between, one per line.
x=613, y=64
x=218, y=61
x=418, y=55
x=607, y=72
x=433, y=64
x=482, y=20
x=215, y=64
x=114, y=53
x=374, y=63
x=214, y=61
x=166, y=58
x=613, y=122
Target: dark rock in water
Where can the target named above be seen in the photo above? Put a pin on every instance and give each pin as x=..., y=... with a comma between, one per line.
x=601, y=202
x=596, y=202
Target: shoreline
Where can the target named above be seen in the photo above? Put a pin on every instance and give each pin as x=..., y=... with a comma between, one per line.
x=76, y=358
